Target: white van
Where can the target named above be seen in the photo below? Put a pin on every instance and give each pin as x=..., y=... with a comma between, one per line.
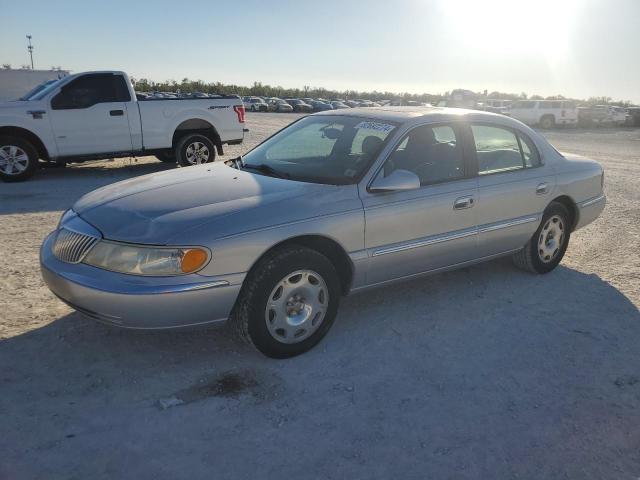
x=546, y=113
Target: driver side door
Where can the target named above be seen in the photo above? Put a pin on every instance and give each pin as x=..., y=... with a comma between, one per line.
x=430, y=227
x=89, y=115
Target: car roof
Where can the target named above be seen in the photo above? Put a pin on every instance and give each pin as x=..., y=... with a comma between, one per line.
x=415, y=114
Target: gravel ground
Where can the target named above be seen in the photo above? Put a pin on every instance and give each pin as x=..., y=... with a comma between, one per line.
x=486, y=372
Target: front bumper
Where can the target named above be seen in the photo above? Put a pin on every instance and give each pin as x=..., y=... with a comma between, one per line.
x=132, y=301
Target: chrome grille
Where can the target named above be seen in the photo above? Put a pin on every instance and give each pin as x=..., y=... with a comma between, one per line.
x=71, y=247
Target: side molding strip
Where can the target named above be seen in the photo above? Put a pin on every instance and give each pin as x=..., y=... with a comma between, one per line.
x=456, y=235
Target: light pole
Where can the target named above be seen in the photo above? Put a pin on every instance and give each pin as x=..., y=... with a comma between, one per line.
x=30, y=48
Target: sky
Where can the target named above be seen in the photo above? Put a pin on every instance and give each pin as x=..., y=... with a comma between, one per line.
x=577, y=48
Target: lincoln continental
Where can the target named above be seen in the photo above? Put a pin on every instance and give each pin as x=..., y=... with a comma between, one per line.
x=333, y=204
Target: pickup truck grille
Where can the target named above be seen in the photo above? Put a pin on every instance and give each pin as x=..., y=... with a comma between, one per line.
x=71, y=247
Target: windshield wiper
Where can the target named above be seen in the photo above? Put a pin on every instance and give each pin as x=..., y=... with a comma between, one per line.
x=265, y=169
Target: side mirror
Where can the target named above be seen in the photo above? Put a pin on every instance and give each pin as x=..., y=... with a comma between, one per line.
x=331, y=133
x=398, y=180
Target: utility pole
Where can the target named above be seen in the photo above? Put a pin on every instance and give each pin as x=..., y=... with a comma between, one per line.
x=30, y=48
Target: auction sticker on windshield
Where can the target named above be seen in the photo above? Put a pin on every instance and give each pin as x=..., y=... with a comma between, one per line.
x=379, y=127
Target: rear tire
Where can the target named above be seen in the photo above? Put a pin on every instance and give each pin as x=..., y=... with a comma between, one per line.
x=548, y=121
x=18, y=159
x=195, y=149
x=292, y=322
x=544, y=251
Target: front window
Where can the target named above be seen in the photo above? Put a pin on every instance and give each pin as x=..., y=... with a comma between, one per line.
x=40, y=94
x=328, y=149
x=91, y=89
x=433, y=153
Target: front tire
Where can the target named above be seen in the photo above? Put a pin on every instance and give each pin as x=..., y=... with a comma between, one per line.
x=18, y=159
x=195, y=149
x=548, y=245
x=288, y=302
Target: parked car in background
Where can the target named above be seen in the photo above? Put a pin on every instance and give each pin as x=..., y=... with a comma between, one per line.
x=602, y=115
x=401, y=102
x=337, y=105
x=299, y=105
x=544, y=113
x=255, y=104
x=494, y=105
x=279, y=105
x=633, y=116
x=614, y=115
x=319, y=106
x=352, y=103
x=95, y=115
x=437, y=189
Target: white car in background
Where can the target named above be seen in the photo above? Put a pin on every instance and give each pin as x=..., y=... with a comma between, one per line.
x=611, y=115
x=255, y=104
x=544, y=113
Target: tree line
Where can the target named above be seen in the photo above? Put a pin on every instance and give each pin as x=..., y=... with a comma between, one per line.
x=259, y=89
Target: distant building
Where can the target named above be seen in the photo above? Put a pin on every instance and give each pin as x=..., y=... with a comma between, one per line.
x=15, y=83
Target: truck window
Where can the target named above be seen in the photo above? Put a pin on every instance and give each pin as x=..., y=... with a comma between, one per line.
x=91, y=89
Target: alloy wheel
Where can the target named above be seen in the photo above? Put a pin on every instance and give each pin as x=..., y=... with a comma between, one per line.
x=551, y=239
x=13, y=160
x=297, y=306
x=197, y=153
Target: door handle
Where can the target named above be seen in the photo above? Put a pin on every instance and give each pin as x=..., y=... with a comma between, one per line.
x=116, y=113
x=542, y=188
x=463, y=202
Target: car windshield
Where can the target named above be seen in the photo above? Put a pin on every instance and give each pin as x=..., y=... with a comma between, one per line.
x=38, y=94
x=330, y=149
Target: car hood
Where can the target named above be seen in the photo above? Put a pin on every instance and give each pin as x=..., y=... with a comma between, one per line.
x=18, y=104
x=169, y=207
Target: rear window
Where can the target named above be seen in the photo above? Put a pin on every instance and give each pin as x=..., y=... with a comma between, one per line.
x=500, y=150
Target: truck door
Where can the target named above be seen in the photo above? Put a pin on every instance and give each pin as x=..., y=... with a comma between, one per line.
x=89, y=115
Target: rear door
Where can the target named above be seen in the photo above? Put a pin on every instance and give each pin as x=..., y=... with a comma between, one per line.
x=89, y=115
x=514, y=187
x=434, y=226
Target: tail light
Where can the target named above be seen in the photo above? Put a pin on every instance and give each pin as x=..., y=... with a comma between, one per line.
x=602, y=180
x=239, y=109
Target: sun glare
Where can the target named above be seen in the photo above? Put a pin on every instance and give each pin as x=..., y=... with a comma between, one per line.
x=540, y=28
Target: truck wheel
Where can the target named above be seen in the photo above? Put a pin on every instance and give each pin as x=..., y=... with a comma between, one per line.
x=18, y=159
x=166, y=156
x=288, y=302
x=548, y=121
x=194, y=149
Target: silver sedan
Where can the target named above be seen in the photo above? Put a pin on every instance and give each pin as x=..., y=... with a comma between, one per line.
x=331, y=205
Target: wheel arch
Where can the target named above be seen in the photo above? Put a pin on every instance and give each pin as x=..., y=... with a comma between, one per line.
x=28, y=135
x=328, y=247
x=571, y=206
x=197, y=125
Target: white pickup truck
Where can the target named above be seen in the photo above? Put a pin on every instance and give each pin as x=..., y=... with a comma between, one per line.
x=95, y=115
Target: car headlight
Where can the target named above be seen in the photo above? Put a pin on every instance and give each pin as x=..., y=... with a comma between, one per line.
x=143, y=260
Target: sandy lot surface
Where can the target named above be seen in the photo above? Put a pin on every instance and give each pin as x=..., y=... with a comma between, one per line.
x=487, y=372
